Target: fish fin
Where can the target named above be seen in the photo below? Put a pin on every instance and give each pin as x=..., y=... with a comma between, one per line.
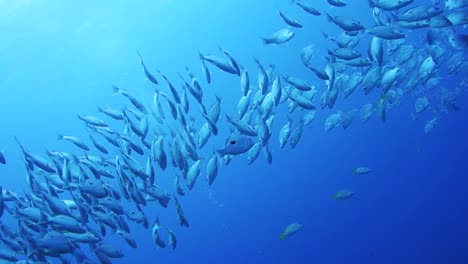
x=201, y=56
x=219, y=154
x=139, y=55
x=265, y=41
x=116, y=90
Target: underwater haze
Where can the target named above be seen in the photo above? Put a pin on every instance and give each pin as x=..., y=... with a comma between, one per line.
x=367, y=97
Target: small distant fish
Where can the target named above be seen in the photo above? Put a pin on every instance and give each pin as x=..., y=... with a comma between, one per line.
x=76, y=141
x=343, y=195
x=430, y=125
x=337, y=3
x=390, y=5
x=386, y=32
x=309, y=9
x=290, y=230
x=290, y=21
x=345, y=23
x=362, y=171
x=279, y=37
x=148, y=74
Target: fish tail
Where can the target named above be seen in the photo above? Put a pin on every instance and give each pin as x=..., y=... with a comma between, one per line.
x=201, y=56
x=59, y=136
x=219, y=154
x=282, y=236
x=265, y=41
x=116, y=90
x=329, y=17
x=139, y=55
x=325, y=35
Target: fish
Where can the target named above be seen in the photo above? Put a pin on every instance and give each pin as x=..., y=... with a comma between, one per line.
x=290, y=21
x=419, y=12
x=386, y=32
x=309, y=9
x=290, y=230
x=343, y=194
x=219, y=63
x=279, y=37
x=212, y=169
x=148, y=74
x=337, y=3
x=76, y=141
x=193, y=173
x=362, y=171
x=345, y=23
x=367, y=111
x=236, y=145
x=390, y=5
x=94, y=121
x=285, y=133
x=180, y=214
x=245, y=82
x=429, y=126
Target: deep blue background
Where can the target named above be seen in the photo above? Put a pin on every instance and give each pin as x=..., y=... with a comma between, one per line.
x=59, y=58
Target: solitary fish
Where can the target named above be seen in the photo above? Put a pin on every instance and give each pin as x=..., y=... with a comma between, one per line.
x=362, y=171
x=290, y=230
x=343, y=194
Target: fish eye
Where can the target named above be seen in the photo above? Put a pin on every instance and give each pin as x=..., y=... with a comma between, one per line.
x=233, y=142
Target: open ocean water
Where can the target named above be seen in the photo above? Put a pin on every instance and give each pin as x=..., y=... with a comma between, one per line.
x=60, y=59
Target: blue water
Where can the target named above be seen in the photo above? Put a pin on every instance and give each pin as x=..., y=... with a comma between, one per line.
x=60, y=58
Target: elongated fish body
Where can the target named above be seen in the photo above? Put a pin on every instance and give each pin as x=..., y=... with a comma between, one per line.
x=94, y=121
x=337, y=3
x=219, y=63
x=254, y=152
x=386, y=32
x=362, y=171
x=279, y=37
x=193, y=173
x=76, y=141
x=345, y=23
x=343, y=195
x=309, y=9
x=420, y=12
x=290, y=230
x=212, y=169
x=390, y=5
x=290, y=21
x=148, y=74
